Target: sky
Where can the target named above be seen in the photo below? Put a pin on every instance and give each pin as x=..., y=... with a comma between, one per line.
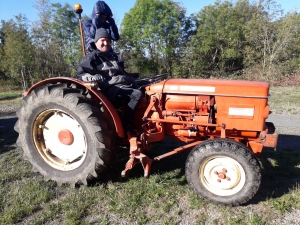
x=11, y=8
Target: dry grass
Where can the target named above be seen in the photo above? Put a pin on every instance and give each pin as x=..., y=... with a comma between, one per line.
x=285, y=99
x=10, y=98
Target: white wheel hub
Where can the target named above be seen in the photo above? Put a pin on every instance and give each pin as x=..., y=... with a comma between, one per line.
x=61, y=140
x=222, y=175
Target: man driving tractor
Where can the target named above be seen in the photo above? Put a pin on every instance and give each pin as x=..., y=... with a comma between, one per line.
x=102, y=65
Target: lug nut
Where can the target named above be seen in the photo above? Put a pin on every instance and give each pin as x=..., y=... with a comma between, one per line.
x=222, y=175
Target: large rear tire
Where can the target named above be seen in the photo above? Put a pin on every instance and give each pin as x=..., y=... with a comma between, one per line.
x=66, y=136
x=223, y=171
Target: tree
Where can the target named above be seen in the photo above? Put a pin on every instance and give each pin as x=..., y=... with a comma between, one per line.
x=290, y=56
x=271, y=37
x=51, y=47
x=217, y=46
x=2, y=54
x=45, y=51
x=17, y=51
x=260, y=31
x=53, y=34
x=65, y=30
x=151, y=34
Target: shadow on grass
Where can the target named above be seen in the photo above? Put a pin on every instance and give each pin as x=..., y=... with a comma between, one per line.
x=10, y=97
x=8, y=136
x=280, y=168
x=165, y=165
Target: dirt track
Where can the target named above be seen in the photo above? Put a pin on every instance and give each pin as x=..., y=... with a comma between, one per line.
x=288, y=127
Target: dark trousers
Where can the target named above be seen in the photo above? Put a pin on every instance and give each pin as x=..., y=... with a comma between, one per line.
x=132, y=96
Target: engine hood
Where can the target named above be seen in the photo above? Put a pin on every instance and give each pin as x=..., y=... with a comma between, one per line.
x=210, y=87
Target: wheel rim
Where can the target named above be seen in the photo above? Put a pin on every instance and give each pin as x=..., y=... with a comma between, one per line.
x=59, y=139
x=223, y=176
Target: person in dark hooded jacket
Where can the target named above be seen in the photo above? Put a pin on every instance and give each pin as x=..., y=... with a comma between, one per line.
x=102, y=65
x=101, y=18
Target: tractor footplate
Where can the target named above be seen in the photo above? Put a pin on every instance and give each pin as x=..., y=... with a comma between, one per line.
x=138, y=158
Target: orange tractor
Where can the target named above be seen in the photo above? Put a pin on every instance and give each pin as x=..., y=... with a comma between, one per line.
x=70, y=132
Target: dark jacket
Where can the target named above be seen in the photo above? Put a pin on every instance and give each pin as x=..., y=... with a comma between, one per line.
x=106, y=64
x=91, y=25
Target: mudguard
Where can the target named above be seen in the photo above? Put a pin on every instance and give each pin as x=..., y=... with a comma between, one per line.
x=96, y=94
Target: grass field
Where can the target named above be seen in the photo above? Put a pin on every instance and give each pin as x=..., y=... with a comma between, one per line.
x=164, y=198
x=285, y=99
x=9, y=98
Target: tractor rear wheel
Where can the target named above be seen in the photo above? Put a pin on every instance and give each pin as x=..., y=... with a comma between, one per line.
x=66, y=136
x=223, y=171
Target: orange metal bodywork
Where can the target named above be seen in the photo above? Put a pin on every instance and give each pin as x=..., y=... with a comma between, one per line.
x=194, y=109
x=239, y=103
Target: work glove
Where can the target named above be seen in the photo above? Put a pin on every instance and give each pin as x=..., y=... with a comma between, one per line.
x=98, y=77
x=88, y=78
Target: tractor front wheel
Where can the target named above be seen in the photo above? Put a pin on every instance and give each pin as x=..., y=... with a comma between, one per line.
x=223, y=171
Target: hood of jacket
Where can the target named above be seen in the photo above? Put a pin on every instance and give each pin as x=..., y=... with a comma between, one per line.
x=102, y=8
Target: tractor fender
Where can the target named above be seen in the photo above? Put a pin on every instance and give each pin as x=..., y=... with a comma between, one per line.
x=96, y=94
